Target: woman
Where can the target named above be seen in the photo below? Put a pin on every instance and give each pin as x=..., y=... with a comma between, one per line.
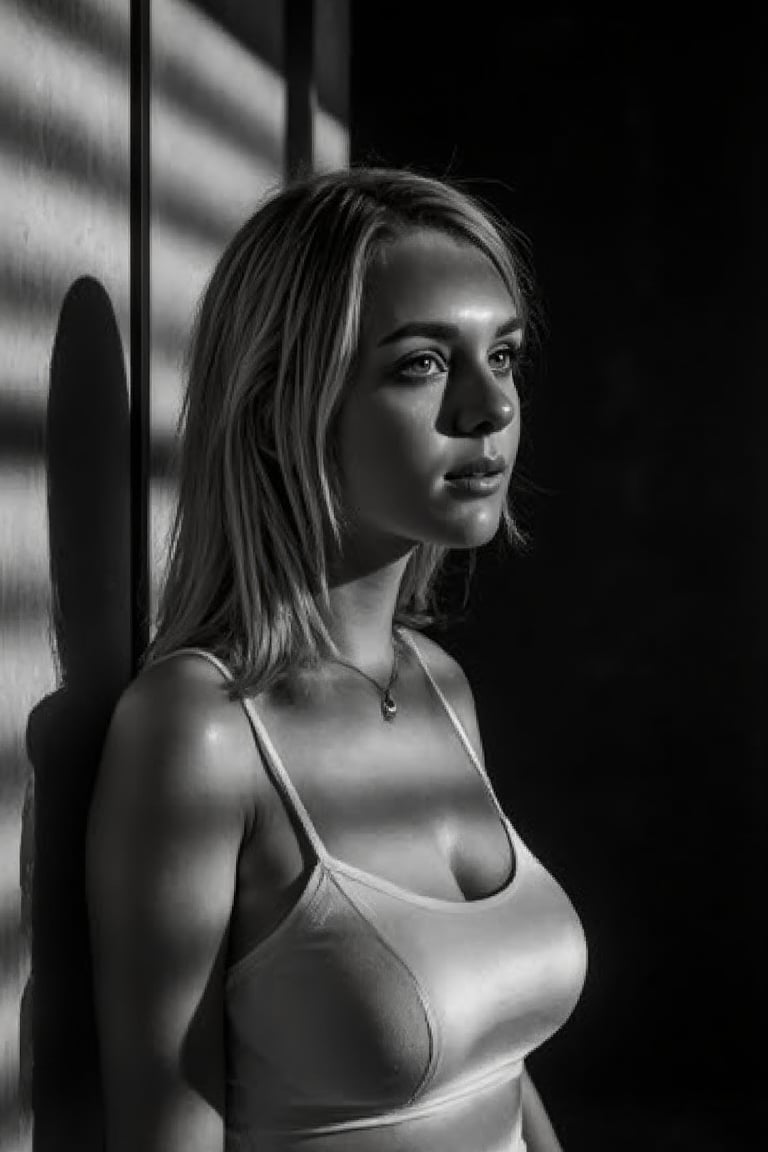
x=313, y=926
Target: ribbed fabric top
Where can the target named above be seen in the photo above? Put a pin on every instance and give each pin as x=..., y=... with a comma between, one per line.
x=377, y=1019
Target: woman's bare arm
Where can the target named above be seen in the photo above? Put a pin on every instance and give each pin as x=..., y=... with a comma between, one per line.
x=538, y=1133
x=168, y=816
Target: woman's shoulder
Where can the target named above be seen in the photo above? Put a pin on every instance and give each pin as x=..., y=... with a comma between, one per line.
x=451, y=679
x=432, y=651
x=180, y=693
x=176, y=723
x=444, y=667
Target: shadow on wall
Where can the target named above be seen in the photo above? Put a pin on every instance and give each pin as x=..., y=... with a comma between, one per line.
x=87, y=448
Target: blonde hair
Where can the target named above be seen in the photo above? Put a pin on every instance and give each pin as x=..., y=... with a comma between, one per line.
x=272, y=347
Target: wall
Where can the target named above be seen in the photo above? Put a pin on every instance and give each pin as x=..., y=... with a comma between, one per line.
x=64, y=333
x=217, y=123
x=218, y=144
x=67, y=477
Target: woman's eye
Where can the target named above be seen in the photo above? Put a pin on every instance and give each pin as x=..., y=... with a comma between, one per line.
x=425, y=364
x=505, y=358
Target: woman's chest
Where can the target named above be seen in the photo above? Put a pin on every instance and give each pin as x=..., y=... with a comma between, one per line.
x=401, y=800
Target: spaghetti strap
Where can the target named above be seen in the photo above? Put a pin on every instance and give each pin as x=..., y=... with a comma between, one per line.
x=278, y=770
x=456, y=723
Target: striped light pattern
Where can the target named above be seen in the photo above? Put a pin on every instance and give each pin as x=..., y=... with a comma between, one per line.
x=217, y=126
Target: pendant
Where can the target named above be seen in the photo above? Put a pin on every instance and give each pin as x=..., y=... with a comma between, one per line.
x=388, y=707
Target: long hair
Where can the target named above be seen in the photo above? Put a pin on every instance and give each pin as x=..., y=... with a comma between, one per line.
x=272, y=347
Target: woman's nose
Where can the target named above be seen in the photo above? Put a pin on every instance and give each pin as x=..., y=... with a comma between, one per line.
x=486, y=401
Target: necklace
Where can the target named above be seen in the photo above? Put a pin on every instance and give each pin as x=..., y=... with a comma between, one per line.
x=388, y=705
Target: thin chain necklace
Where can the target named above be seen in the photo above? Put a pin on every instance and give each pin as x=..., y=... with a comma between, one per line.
x=388, y=705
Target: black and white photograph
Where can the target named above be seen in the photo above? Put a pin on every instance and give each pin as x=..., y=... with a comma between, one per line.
x=383, y=569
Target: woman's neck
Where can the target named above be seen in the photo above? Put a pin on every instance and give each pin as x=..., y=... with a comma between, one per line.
x=362, y=608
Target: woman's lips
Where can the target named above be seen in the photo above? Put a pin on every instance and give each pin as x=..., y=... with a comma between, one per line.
x=475, y=485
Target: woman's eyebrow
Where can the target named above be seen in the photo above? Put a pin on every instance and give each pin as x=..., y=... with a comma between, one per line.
x=440, y=331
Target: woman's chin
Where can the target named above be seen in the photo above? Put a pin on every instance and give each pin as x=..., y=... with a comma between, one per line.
x=472, y=532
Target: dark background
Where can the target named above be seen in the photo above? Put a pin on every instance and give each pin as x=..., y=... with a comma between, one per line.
x=619, y=668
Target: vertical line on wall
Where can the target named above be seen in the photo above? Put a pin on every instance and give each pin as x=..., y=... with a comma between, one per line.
x=299, y=39
x=140, y=335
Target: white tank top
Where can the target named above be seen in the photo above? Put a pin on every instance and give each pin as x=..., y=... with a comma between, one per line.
x=376, y=1019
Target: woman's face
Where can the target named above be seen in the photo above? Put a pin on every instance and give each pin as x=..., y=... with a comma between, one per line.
x=433, y=389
